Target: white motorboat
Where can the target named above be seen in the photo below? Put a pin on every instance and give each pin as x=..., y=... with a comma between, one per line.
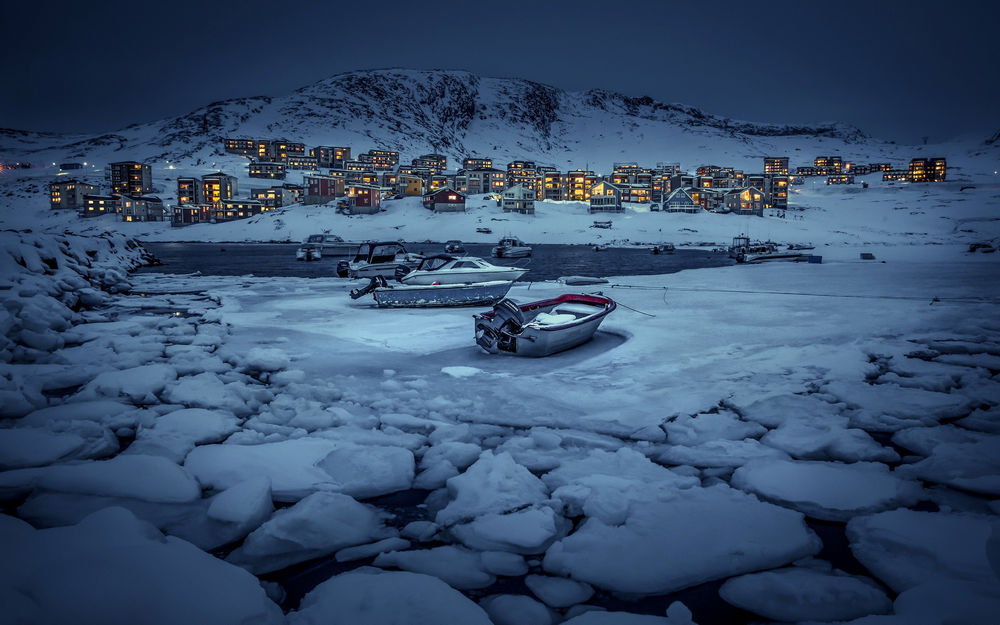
x=511, y=247
x=433, y=295
x=743, y=250
x=308, y=251
x=332, y=245
x=446, y=269
x=378, y=258
x=454, y=246
x=541, y=328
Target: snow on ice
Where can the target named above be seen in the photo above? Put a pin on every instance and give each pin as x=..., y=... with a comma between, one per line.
x=684, y=446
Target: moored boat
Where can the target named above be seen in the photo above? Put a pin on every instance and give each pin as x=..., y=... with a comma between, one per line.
x=445, y=269
x=541, y=328
x=433, y=295
x=378, y=258
x=743, y=250
x=308, y=251
x=332, y=245
x=511, y=247
x=454, y=246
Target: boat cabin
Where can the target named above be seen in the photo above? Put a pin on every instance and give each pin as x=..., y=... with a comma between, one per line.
x=379, y=252
x=511, y=242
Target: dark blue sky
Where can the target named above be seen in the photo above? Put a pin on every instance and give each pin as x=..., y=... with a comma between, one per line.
x=898, y=70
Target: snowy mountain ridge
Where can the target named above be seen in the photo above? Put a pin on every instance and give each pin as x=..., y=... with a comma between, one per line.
x=415, y=111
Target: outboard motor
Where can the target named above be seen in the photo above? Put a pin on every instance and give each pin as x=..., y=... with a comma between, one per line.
x=508, y=316
x=376, y=282
x=401, y=270
x=500, y=332
x=343, y=269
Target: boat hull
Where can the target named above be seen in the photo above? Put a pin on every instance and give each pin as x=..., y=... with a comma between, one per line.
x=779, y=257
x=460, y=277
x=534, y=339
x=511, y=252
x=426, y=296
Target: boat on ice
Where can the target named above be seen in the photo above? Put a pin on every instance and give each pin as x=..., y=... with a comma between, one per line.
x=541, y=328
x=332, y=245
x=433, y=295
x=308, y=251
x=743, y=250
x=511, y=247
x=446, y=269
x=378, y=258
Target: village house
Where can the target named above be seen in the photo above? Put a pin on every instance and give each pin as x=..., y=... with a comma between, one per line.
x=217, y=186
x=681, y=201
x=518, y=199
x=301, y=161
x=363, y=199
x=130, y=178
x=436, y=162
x=243, y=147
x=806, y=171
x=379, y=159
x=273, y=197
x=331, y=156
x=188, y=214
x=189, y=190
x=69, y=193
x=142, y=208
x=927, y=170
x=605, y=197
x=774, y=188
x=552, y=186
x=438, y=181
x=231, y=210
x=357, y=165
x=840, y=179
x=267, y=169
x=484, y=180
x=321, y=189
x=776, y=165
x=444, y=200
x=97, y=205
x=522, y=173
x=745, y=201
x=477, y=163
x=828, y=165
x=578, y=184
x=409, y=185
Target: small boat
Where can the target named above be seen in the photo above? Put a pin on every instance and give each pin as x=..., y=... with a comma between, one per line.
x=445, y=269
x=433, y=295
x=484, y=231
x=801, y=246
x=454, y=247
x=743, y=250
x=511, y=247
x=332, y=245
x=378, y=258
x=602, y=224
x=541, y=328
x=308, y=251
x=664, y=248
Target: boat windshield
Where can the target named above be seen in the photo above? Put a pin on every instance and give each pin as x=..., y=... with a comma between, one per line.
x=433, y=263
x=385, y=253
x=315, y=238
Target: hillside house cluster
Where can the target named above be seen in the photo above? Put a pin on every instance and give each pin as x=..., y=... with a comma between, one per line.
x=213, y=198
x=839, y=171
x=130, y=184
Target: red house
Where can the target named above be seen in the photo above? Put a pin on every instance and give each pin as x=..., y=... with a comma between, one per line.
x=321, y=189
x=364, y=199
x=445, y=200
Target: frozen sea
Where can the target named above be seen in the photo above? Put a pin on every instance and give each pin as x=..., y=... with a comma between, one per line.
x=788, y=442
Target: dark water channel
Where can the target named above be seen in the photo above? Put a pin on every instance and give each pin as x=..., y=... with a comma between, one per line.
x=547, y=262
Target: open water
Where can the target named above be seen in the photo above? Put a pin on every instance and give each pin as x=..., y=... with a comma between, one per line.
x=547, y=262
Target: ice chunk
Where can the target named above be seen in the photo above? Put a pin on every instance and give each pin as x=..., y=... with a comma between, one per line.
x=371, y=549
x=558, y=592
x=503, y=563
x=891, y=407
x=305, y=465
x=176, y=433
x=773, y=411
x=972, y=466
x=141, y=385
x=525, y=531
x=702, y=428
x=722, y=453
x=827, y=490
x=265, y=359
x=516, y=610
x=376, y=597
x=112, y=568
x=905, y=548
x=699, y=535
x=494, y=484
x=599, y=617
x=208, y=390
x=243, y=502
x=802, y=594
x=33, y=447
x=148, y=478
x=317, y=525
x=826, y=438
x=110, y=413
x=460, y=568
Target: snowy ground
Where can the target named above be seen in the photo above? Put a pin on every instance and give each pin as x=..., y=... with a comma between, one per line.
x=793, y=442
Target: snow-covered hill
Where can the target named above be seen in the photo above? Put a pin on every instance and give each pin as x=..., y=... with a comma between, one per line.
x=453, y=112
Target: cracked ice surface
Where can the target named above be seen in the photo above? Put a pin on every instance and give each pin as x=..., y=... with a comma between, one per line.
x=671, y=451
